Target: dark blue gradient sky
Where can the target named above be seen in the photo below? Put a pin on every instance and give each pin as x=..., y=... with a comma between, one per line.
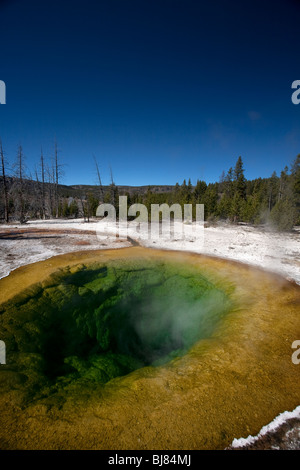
x=161, y=90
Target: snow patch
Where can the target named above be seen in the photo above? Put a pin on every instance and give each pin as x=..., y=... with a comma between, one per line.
x=275, y=424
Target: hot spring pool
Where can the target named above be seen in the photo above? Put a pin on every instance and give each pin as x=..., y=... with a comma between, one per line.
x=139, y=349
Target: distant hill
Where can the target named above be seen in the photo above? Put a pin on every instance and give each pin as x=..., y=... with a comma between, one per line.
x=78, y=189
x=123, y=189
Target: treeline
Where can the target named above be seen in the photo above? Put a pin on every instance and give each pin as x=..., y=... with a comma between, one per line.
x=21, y=199
x=274, y=201
x=40, y=195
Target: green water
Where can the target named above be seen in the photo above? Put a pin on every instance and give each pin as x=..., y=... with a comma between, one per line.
x=94, y=323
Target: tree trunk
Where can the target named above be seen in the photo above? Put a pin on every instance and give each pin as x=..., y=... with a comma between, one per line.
x=43, y=187
x=6, y=210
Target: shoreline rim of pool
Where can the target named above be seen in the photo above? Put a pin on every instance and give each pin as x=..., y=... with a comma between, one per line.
x=229, y=385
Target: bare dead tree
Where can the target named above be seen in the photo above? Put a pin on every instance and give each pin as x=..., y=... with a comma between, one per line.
x=111, y=175
x=20, y=193
x=56, y=178
x=37, y=203
x=114, y=193
x=43, y=184
x=88, y=207
x=49, y=177
x=112, y=187
x=82, y=206
x=57, y=174
x=101, y=193
x=6, y=207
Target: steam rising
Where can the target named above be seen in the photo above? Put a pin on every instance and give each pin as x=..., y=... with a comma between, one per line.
x=105, y=321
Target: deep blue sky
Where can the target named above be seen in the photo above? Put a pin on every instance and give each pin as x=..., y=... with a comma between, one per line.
x=161, y=90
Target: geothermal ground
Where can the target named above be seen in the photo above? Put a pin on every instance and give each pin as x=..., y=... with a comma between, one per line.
x=35, y=241
x=39, y=240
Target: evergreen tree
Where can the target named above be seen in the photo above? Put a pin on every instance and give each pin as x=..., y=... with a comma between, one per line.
x=283, y=183
x=222, y=182
x=239, y=179
x=283, y=214
x=93, y=203
x=210, y=200
x=239, y=187
x=65, y=209
x=176, y=194
x=295, y=183
x=189, y=190
x=73, y=209
x=199, y=192
x=272, y=190
x=183, y=193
